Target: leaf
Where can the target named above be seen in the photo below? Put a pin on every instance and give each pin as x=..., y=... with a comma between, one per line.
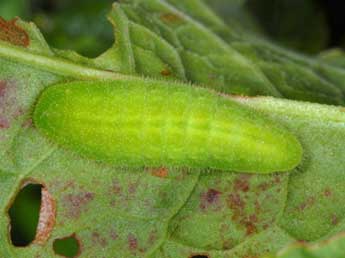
x=263, y=53
x=216, y=69
x=133, y=214
x=170, y=212
x=79, y=25
x=236, y=15
x=334, y=57
x=11, y=9
x=251, y=215
x=332, y=248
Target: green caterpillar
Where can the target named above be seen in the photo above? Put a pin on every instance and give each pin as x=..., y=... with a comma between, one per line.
x=157, y=123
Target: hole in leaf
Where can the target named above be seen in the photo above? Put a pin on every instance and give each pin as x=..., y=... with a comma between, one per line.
x=199, y=256
x=67, y=247
x=24, y=214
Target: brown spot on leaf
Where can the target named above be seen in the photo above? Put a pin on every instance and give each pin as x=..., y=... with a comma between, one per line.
x=171, y=18
x=251, y=229
x=98, y=239
x=116, y=188
x=250, y=224
x=246, y=212
x=236, y=203
x=242, y=183
x=307, y=203
x=75, y=203
x=133, y=187
x=166, y=72
x=160, y=172
x=334, y=219
x=47, y=217
x=209, y=198
x=212, y=195
x=3, y=85
x=9, y=106
x=113, y=235
x=264, y=186
x=4, y=124
x=132, y=242
x=11, y=32
x=277, y=179
x=327, y=192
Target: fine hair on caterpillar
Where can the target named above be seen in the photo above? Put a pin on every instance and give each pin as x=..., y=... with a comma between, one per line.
x=160, y=123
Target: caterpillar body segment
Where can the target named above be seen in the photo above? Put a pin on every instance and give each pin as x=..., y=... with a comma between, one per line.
x=154, y=123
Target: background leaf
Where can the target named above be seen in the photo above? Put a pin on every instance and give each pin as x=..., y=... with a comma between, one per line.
x=333, y=247
x=11, y=9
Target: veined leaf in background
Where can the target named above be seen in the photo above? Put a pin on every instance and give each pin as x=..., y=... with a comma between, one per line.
x=334, y=57
x=259, y=51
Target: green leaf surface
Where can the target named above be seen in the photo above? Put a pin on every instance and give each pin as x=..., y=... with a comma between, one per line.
x=11, y=9
x=175, y=212
x=334, y=247
x=335, y=56
x=262, y=52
